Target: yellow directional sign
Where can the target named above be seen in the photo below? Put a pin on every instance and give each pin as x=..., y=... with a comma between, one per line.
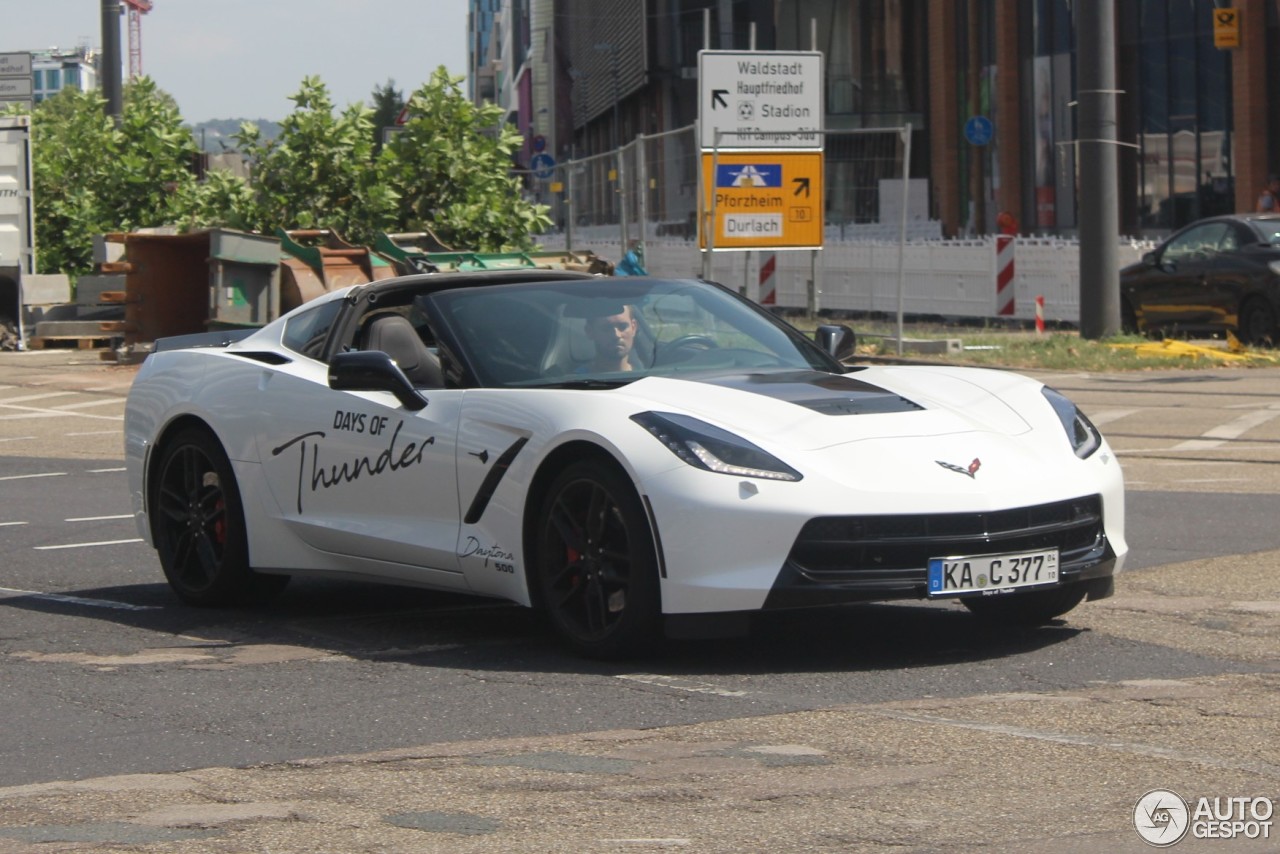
x=761, y=200
x=1226, y=28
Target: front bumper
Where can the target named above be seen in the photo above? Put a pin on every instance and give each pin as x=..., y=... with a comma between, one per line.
x=842, y=559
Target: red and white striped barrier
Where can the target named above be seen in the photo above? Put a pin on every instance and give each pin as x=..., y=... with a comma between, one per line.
x=1040, y=313
x=1004, y=275
x=768, y=278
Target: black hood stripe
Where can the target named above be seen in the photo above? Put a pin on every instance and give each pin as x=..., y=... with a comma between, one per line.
x=829, y=394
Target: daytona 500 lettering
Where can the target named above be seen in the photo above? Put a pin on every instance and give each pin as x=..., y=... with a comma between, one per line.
x=503, y=561
x=326, y=475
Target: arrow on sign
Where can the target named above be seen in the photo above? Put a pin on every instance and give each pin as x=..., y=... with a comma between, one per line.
x=717, y=98
x=802, y=186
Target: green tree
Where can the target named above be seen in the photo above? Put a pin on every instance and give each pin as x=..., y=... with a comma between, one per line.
x=154, y=155
x=72, y=146
x=388, y=101
x=92, y=176
x=450, y=168
x=319, y=172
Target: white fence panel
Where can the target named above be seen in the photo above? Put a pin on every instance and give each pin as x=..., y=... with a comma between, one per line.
x=951, y=278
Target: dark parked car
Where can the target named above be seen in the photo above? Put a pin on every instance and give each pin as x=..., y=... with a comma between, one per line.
x=1217, y=274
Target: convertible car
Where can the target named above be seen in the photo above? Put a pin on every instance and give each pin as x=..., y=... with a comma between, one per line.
x=698, y=462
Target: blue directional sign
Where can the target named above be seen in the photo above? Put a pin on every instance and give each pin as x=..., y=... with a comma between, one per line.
x=749, y=175
x=978, y=130
x=543, y=165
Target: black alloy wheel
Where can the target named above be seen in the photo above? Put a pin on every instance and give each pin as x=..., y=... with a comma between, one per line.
x=1257, y=322
x=596, y=570
x=198, y=525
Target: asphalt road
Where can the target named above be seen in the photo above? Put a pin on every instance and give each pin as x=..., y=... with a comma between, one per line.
x=356, y=717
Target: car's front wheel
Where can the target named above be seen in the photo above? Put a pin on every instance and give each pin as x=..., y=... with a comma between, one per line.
x=199, y=528
x=595, y=567
x=1027, y=608
x=1257, y=322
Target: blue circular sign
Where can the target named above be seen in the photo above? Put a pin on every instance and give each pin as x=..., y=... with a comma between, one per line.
x=542, y=165
x=978, y=130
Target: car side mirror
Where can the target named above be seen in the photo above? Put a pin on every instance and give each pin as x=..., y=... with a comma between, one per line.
x=838, y=340
x=373, y=370
x=1150, y=260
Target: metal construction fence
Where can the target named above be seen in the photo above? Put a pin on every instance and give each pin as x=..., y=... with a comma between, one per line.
x=644, y=197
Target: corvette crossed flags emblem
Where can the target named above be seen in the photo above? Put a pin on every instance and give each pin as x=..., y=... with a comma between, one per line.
x=971, y=471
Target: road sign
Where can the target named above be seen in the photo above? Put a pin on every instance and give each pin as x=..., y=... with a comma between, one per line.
x=760, y=99
x=1226, y=28
x=15, y=88
x=15, y=65
x=978, y=130
x=762, y=200
x=543, y=165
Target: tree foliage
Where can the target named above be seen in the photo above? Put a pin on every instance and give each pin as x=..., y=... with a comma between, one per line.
x=449, y=170
x=450, y=167
x=92, y=176
x=388, y=101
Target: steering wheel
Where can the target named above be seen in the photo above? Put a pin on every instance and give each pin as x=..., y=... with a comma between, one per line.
x=688, y=345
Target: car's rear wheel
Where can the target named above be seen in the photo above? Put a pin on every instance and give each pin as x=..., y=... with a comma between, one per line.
x=595, y=567
x=199, y=525
x=1257, y=322
x=1028, y=608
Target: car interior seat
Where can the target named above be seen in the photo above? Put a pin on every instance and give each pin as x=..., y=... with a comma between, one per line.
x=395, y=336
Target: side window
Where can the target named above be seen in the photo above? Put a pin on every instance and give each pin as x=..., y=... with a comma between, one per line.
x=1198, y=243
x=305, y=333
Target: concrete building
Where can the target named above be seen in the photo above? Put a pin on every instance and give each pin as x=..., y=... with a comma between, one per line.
x=53, y=70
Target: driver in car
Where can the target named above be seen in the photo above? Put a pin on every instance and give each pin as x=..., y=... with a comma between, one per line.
x=614, y=336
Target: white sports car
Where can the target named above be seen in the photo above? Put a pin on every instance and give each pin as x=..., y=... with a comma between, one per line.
x=629, y=455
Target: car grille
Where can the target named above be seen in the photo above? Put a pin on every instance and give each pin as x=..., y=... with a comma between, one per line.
x=894, y=551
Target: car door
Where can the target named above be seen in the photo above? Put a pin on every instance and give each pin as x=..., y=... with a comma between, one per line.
x=356, y=473
x=1177, y=290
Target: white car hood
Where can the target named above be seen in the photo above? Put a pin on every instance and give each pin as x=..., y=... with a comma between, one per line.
x=807, y=410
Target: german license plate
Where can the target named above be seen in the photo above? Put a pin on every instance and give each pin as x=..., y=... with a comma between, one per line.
x=953, y=576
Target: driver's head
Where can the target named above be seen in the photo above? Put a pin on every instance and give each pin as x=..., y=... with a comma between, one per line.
x=613, y=334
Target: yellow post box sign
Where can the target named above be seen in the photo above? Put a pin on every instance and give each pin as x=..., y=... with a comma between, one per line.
x=761, y=200
x=1226, y=28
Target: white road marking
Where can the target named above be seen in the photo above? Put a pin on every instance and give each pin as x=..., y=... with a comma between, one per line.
x=1233, y=429
x=101, y=471
x=90, y=403
x=29, y=476
x=7, y=593
x=33, y=412
x=30, y=397
x=17, y=439
x=1108, y=415
x=96, y=433
x=85, y=545
x=111, y=387
x=680, y=684
x=11, y=524
x=1130, y=747
x=98, y=518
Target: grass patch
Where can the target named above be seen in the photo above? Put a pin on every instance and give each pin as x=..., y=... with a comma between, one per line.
x=1058, y=350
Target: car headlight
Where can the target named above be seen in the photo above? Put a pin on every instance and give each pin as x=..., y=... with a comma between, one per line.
x=707, y=447
x=1084, y=437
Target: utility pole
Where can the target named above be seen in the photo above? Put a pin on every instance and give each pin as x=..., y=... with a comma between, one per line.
x=1096, y=143
x=111, y=83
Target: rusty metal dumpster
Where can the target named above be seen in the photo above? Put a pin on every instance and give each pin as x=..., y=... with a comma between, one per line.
x=316, y=261
x=176, y=284
x=419, y=253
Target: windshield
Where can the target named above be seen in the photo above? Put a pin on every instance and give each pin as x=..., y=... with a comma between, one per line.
x=600, y=333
